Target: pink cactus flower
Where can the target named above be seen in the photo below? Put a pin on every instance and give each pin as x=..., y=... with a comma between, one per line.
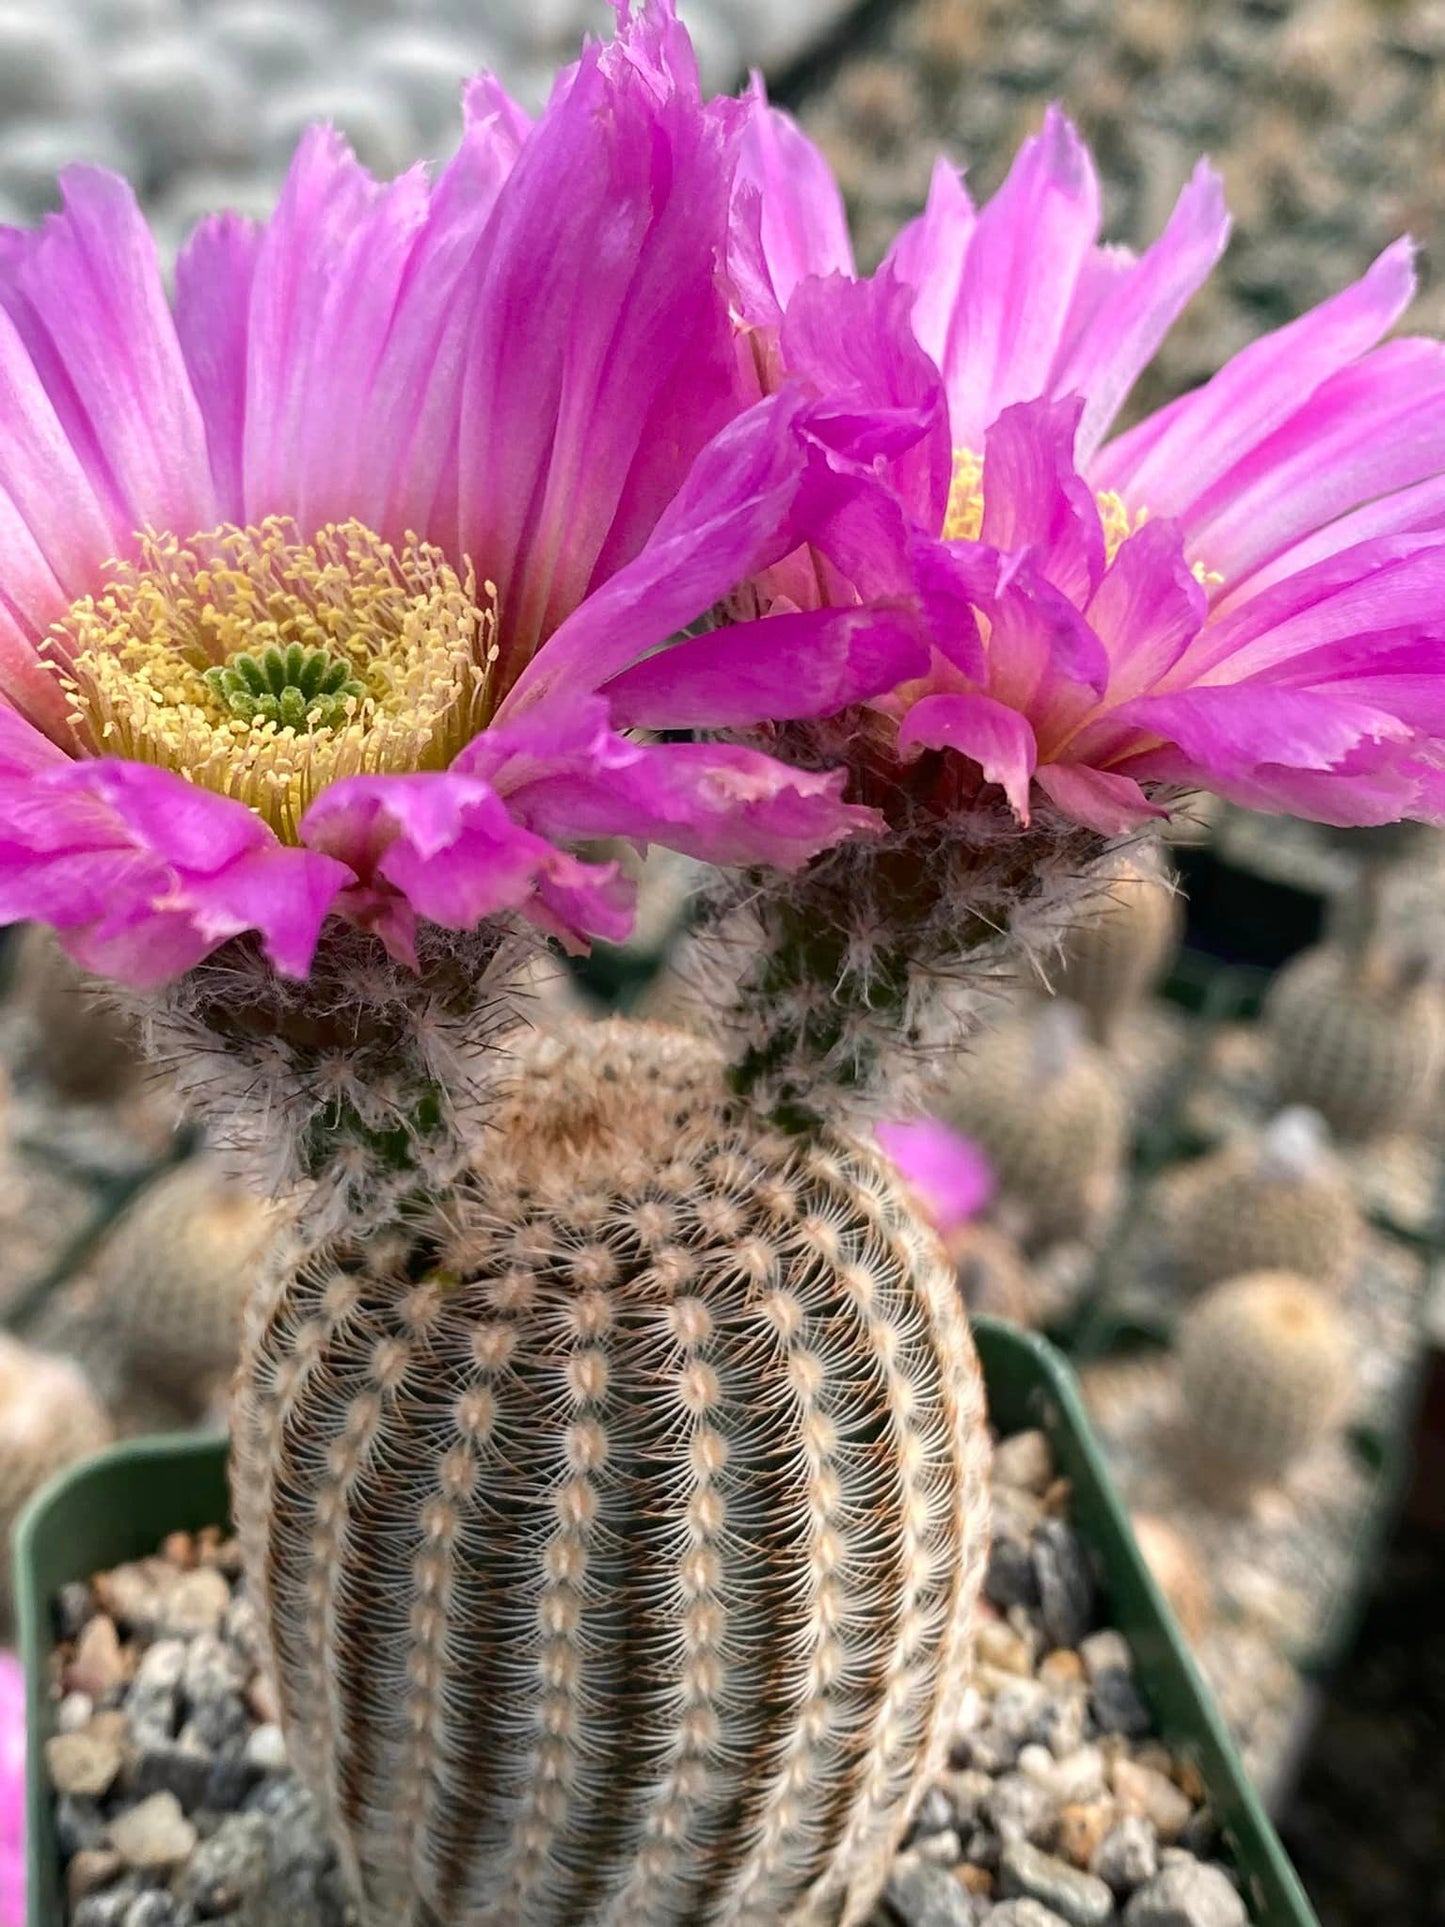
x=316, y=581
x=1244, y=592
x=12, y=1792
x=946, y=1171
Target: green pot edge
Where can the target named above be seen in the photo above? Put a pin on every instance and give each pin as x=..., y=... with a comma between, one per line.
x=1029, y=1384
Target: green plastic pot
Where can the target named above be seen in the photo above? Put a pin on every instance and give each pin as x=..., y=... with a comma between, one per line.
x=120, y=1506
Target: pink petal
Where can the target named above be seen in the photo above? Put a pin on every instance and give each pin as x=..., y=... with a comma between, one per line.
x=931, y=256
x=86, y=294
x=1171, y=459
x=715, y=801
x=448, y=844
x=1147, y=609
x=1035, y=499
x=1393, y=585
x=1376, y=426
x=995, y=737
x=326, y=279
x=1106, y=356
x=729, y=519
x=948, y=1171
x=1027, y=251
x=1408, y=511
x=879, y=399
x=144, y=874
x=601, y=357
x=1101, y=800
x=813, y=663
x=788, y=218
x=214, y=276
x=1232, y=728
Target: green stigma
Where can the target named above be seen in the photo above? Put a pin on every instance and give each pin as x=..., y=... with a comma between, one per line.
x=294, y=688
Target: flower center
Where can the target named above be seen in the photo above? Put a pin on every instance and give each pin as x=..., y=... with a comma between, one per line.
x=266, y=667
x=963, y=518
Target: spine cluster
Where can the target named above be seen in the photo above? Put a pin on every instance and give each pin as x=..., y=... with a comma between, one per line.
x=355, y=1088
x=617, y=1521
x=840, y=991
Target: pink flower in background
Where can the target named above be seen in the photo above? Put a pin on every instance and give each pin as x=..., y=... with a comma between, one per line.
x=1246, y=591
x=12, y=1792
x=946, y=1171
x=317, y=583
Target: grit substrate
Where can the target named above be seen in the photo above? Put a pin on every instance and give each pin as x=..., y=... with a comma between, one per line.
x=175, y=1803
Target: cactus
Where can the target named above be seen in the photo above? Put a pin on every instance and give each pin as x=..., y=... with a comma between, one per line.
x=1277, y=1203
x=1264, y=1374
x=1356, y=1030
x=1046, y=1108
x=617, y=1523
x=1120, y=945
x=76, y=1039
x=49, y=1418
x=172, y=1279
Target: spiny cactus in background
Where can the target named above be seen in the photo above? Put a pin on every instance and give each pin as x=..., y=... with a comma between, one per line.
x=172, y=1280
x=1279, y=1202
x=1177, y=1573
x=1121, y=943
x=49, y=1418
x=617, y=1521
x=1264, y=1374
x=1356, y=1027
x=1045, y=1106
x=75, y=1039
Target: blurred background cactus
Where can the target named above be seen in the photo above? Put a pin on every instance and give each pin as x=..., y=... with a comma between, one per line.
x=1264, y=1369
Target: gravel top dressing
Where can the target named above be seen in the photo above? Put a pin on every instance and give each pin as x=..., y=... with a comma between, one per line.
x=175, y=1803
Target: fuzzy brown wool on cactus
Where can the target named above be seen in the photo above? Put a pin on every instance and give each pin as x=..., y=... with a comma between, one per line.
x=617, y=1521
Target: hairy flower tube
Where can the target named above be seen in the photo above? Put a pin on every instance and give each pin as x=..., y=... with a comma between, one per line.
x=1244, y=592
x=315, y=581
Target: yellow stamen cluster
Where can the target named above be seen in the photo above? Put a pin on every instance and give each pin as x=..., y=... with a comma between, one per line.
x=362, y=657
x=963, y=518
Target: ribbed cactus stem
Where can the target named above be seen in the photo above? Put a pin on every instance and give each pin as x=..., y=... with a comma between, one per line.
x=354, y=1087
x=616, y=1521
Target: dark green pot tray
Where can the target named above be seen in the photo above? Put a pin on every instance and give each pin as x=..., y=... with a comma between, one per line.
x=121, y=1505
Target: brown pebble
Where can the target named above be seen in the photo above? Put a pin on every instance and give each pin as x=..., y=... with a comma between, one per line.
x=132, y=1594
x=208, y=1545
x=978, y=1880
x=154, y=1836
x=1061, y=1667
x=1139, y=1789
x=97, y=1666
x=1191, y=1782
x=196, y=1603
x=82, y=1763
x=999, y=1645
x=1081, y=1828
x=1157, y=1758
x=91, y=1869
x=1059, y=1499
x=179, y=1549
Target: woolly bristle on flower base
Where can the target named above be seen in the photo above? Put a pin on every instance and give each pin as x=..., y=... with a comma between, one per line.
x=862, y=971
x=358, y=1084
